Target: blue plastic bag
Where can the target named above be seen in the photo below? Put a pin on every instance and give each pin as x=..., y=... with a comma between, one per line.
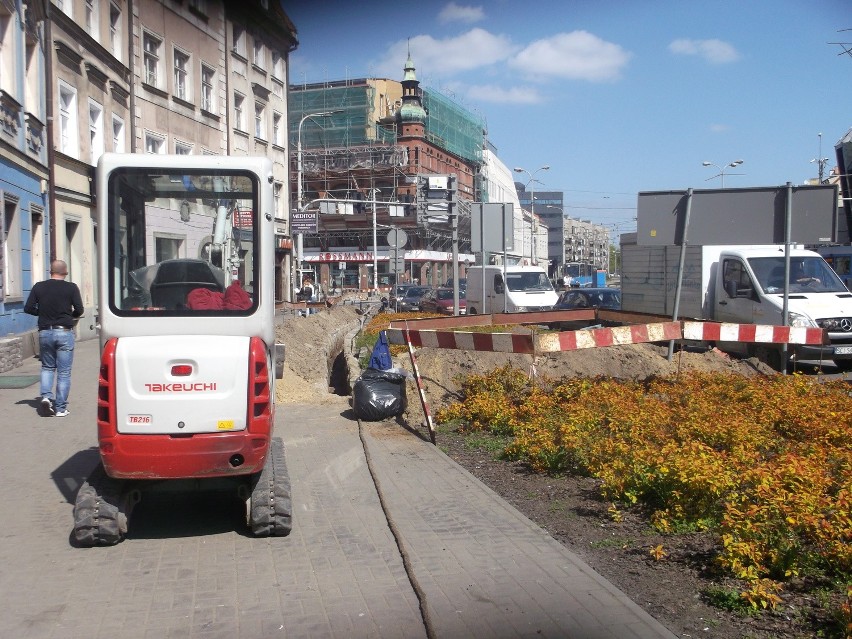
x=380, y=359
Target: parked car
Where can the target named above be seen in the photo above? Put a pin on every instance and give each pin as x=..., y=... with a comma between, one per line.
x=582, y=298
x=410, y=301
x=440, y=300
x=574, y=298
x=397, y=293
x=462, y=283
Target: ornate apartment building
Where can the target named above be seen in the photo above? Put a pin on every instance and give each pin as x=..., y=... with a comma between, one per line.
x=126, y=76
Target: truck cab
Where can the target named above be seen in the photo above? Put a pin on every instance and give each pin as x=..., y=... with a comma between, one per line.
x=750, y=288
x=510, y=289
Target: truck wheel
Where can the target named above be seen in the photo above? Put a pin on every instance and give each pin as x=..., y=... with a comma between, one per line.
x=471, y=311
x=271, y=509
x=843, y=365
x=102, y=510
x=771, y=356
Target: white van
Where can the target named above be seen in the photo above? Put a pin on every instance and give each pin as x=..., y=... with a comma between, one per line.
x=508, y=289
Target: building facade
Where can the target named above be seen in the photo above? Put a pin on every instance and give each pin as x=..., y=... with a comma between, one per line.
x=547, y=210
x=24, y=205
x=156, y=77
x=360, y=146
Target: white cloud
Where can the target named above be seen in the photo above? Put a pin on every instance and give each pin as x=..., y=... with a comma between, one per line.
x=713, y=51
x=474, y=49
x=513, y=95
x=453, y=12
x=719, y=128
x=578, y=55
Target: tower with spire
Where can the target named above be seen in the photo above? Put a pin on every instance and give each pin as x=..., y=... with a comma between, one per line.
x=411, y=117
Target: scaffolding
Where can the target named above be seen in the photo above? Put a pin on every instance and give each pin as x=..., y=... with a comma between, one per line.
x=452, y=127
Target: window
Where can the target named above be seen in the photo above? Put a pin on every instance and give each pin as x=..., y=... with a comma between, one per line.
x=277, y=190
x=277, y=66
x=67, y=7
x=183, y=148
x=168, y=247
x=198, y=6
x=68, y=142
x=32, y=78
x=259, y=53
x=11, y=248
x=117, y=134
x=151, y=45
x=181, y=89
x=207, y=95
x=239, y=40
x=239, y=122
x=37, y=241
x=259, y=124
x=155, y=144
x=115, y=30
x=92, y=19
x=277, y=130
x=7, y=53
x=96, y=130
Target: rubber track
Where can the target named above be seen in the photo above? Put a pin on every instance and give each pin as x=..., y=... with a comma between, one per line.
x=98, y=516
x=271, y=512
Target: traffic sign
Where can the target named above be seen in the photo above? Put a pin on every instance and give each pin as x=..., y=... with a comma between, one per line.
x=397, y=238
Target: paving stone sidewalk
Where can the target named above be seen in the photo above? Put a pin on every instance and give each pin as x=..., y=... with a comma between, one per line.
x=364, y=497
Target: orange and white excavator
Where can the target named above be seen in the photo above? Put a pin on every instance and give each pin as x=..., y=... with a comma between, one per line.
x=188, y=354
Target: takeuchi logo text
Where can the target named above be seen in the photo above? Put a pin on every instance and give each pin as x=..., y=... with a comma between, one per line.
x=180, y=387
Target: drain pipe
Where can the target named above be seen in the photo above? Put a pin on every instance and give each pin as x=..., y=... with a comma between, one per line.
x=51, y=158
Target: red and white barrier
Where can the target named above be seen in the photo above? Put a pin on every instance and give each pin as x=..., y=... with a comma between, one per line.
x=763, y=333
x=599, y=337
x=615, y=336
x=498, y=342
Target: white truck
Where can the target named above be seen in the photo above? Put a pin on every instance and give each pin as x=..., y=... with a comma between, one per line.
x=509, y=289
x=742, y=285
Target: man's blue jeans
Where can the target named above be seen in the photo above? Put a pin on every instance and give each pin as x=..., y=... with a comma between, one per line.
x=57, y=355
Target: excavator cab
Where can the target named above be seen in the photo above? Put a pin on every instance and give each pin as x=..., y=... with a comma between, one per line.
x=188, y=355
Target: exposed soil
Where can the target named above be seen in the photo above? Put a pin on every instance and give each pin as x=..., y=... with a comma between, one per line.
x=673, y=589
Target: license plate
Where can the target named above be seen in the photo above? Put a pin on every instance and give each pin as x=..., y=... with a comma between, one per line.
x=843, y=350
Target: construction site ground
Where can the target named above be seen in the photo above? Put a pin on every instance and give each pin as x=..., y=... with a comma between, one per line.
x=570, y=508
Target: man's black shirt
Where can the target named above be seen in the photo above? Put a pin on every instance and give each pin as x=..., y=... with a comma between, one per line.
x=55, y=302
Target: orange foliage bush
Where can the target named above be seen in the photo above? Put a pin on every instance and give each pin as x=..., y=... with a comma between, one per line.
x=766, y=462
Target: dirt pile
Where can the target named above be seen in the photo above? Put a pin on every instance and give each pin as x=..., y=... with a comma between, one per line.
x=314, y=342
x=312, y=345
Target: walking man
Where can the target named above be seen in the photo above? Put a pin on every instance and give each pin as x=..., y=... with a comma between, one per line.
x=57, y=304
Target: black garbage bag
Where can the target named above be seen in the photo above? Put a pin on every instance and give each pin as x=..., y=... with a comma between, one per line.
x=378, y=394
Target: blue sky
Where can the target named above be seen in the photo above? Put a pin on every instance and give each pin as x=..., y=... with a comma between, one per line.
x=616, y=97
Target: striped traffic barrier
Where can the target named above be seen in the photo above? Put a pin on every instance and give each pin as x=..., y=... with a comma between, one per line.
x=420, y=389
x=538, y=343
x=613, y=336
x=757, y=333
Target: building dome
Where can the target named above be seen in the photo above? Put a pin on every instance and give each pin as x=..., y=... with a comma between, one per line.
x=412, y=113
x=412, y=107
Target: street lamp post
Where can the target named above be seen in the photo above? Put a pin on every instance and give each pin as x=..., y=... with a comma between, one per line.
x=820, y=161
x=721, y=173
x=300, y=247
x=519, y=169
x=374, y=193
x=562, y=238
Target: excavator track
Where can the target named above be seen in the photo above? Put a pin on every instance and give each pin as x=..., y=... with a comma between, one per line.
x=102, y=510
x=270, y=512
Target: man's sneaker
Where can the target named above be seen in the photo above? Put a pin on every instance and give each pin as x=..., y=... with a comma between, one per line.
x=63, y=413
x=47, y=407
